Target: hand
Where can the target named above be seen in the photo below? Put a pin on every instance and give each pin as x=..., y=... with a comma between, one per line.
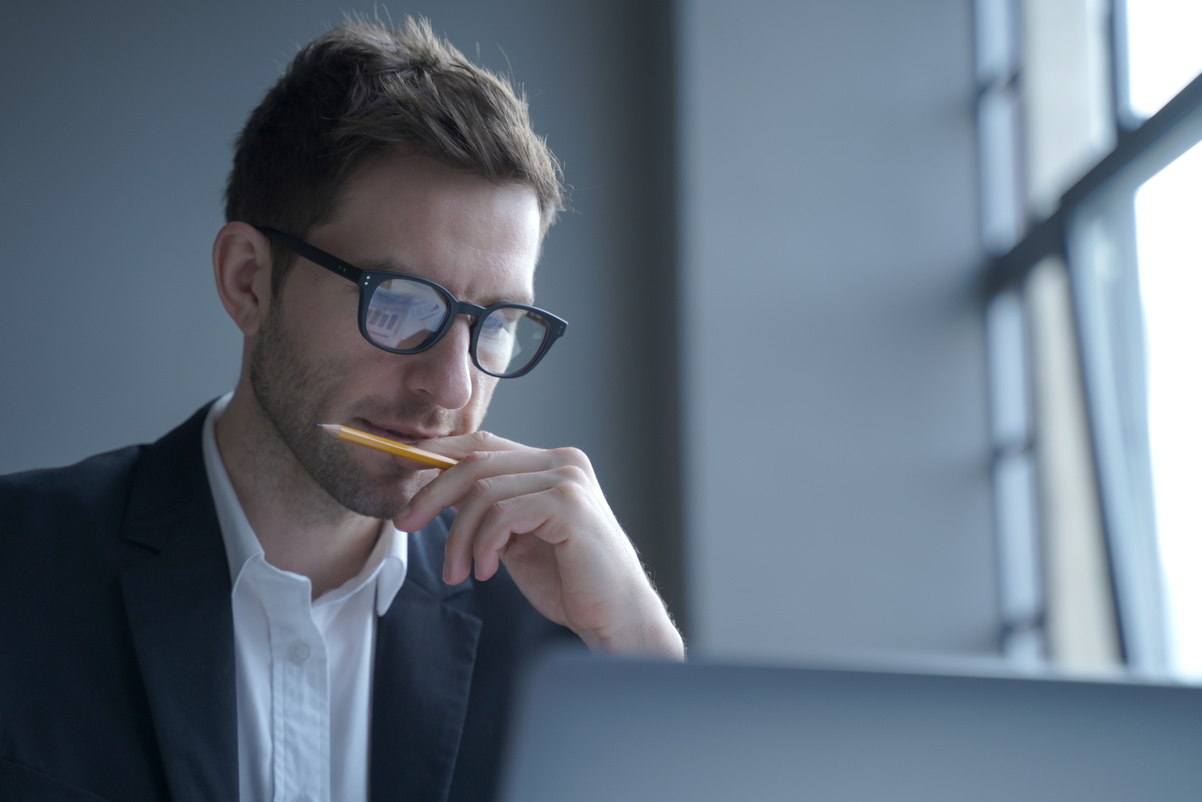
x=542, y=514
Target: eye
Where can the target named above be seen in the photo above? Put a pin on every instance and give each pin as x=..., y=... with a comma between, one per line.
x=403, y=314
x=501, y=323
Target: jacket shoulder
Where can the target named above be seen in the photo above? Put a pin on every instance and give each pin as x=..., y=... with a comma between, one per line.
x=93, y=491
x=94, y=495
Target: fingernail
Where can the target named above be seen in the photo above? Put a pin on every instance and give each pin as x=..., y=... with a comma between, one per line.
x=404, y=513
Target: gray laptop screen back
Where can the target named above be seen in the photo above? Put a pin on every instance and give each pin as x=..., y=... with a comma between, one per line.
x=614, y=730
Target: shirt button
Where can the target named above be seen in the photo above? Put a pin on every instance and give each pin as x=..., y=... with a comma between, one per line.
x=299, y=653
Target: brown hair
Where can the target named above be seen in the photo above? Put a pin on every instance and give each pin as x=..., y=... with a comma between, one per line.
x=362, y=90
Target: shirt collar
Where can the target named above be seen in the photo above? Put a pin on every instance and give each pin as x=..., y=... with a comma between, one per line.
x=387, y=564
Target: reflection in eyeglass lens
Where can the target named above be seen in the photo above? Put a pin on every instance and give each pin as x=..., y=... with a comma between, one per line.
x=497, y=346
x=403, y=314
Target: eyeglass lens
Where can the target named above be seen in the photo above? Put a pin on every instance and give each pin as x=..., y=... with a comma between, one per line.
x=405, y=315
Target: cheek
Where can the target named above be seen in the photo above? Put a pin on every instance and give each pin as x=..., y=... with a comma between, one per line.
x=331, y=338
x=323, y=314
x=481, y=397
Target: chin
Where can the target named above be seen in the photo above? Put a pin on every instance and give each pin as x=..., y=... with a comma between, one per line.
x=381, y=497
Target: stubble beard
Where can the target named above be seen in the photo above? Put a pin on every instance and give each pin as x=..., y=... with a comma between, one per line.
x=293, y=395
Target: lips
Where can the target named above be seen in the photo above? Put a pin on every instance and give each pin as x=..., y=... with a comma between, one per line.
x=406, y=436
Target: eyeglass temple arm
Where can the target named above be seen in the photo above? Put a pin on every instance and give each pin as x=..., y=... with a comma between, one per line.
x=315, y=255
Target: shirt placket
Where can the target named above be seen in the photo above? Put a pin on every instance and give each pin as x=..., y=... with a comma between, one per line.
x=300, y=696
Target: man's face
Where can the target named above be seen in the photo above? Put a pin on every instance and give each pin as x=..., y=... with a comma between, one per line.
x=310, y=365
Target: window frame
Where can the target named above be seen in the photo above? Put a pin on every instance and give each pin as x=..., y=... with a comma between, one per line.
x=1142, y=148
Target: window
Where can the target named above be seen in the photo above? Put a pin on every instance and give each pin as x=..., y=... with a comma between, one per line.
x=1168, y=222
x=1089, y=120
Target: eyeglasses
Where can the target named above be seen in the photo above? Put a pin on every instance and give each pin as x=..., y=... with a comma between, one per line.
x=408, y=314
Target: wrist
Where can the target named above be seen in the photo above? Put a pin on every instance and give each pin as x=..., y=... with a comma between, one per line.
x=651, y=634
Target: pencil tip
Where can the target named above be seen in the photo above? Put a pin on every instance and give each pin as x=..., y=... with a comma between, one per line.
x=321, y=426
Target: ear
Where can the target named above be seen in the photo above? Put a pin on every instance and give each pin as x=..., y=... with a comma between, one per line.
x=242, y=268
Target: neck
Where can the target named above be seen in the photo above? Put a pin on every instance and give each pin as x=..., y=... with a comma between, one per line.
x=300, y=527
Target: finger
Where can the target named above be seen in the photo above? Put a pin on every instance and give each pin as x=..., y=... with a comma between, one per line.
x=461, y=445
x=538, y=515
x=488, y=497
x=531, y=515
x=452, y=486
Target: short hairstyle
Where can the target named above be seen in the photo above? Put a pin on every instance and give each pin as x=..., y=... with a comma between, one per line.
x=363, y=90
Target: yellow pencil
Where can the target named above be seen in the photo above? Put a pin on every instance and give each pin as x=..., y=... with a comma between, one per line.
x=387, y=446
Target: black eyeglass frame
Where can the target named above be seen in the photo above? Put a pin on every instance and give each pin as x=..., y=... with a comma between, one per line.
x=368, y=280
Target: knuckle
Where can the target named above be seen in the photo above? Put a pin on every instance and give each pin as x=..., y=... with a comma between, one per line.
x=499, y=509
x=481, y=488
x=477, y=458
x=574, y=475
x=571, y=491
x=483, y=441
x=570, y=457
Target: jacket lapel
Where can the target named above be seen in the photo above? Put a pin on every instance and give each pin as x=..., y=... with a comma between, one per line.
x=180, y=617
x=425, y=653
x=181, y=622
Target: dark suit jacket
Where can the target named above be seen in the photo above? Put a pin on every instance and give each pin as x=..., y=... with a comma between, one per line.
x=116, y=644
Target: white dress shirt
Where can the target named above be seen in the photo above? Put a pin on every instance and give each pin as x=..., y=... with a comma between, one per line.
x=304, y=667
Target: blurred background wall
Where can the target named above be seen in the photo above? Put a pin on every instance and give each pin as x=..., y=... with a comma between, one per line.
x=835, y=398
x=775, y=358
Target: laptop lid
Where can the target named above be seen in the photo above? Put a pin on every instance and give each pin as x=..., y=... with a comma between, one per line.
x=594, y=729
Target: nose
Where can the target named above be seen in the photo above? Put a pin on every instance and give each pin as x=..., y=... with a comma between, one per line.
x=444, y=373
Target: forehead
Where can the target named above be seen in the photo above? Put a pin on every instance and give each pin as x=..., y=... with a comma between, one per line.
x=409, y=214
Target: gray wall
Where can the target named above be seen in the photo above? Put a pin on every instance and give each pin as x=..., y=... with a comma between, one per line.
x=833, y=432
x=836, y=445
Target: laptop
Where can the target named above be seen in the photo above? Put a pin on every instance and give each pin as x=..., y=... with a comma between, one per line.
x=614, y=730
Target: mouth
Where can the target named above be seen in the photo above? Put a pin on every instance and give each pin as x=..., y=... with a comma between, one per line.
x=407, y=436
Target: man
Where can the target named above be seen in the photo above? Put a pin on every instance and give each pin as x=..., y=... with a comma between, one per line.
x=236, y=611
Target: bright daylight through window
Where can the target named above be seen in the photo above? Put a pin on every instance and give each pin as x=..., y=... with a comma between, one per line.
x=1163, y=57
x=1168, y=215
x=1163, y=52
